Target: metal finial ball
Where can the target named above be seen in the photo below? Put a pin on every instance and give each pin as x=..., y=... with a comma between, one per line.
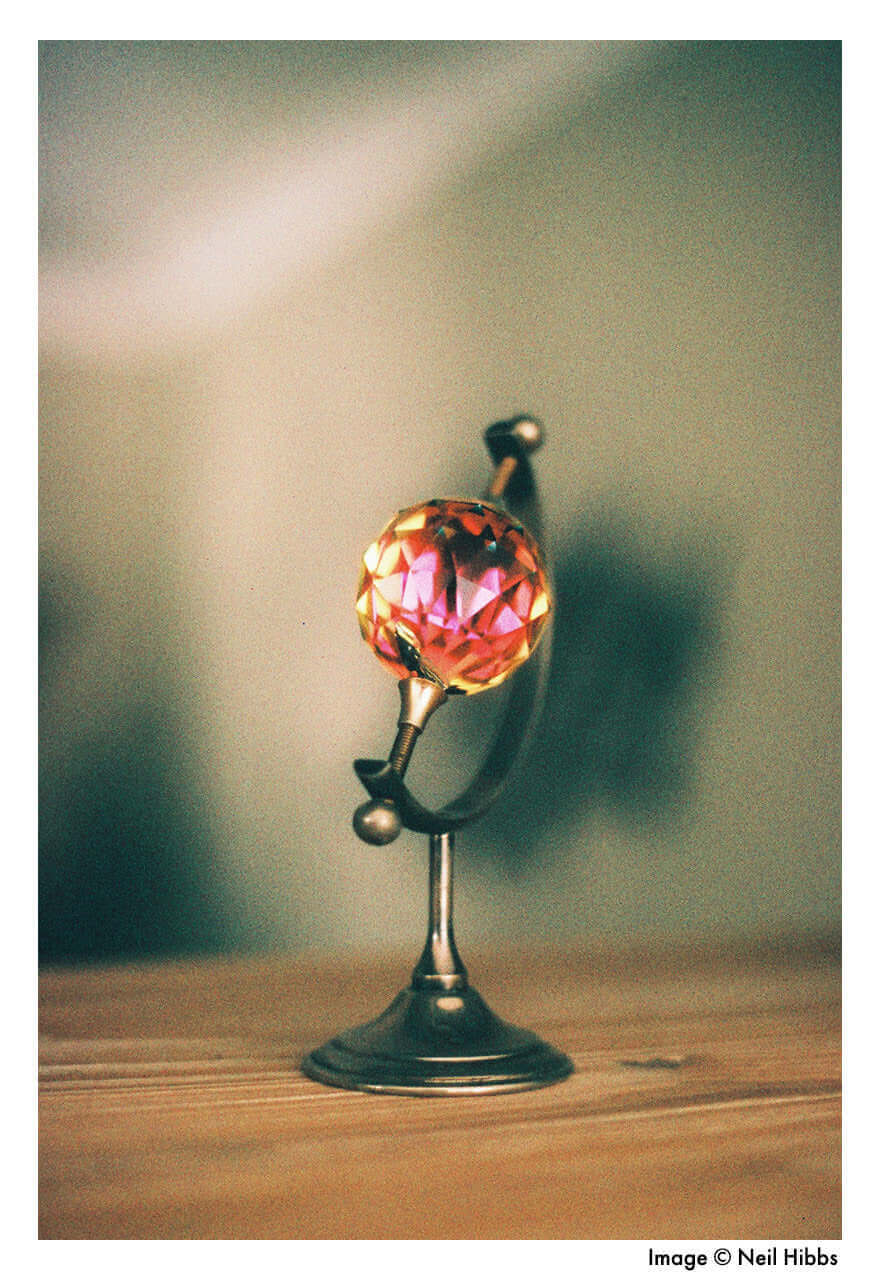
x=525, y=429
x=529, y=431
x=377, y=822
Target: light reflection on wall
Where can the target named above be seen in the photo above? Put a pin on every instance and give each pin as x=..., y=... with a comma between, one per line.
x=221, y=238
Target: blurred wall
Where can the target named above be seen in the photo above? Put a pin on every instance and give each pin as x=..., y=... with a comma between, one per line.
x=283, y=289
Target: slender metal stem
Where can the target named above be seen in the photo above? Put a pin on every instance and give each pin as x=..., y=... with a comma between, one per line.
x=502, y=475
x=440, y=964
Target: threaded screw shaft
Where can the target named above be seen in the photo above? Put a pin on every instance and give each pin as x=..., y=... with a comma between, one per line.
x=403, y=748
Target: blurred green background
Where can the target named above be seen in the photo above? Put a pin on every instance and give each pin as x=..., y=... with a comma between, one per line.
x=284, y=287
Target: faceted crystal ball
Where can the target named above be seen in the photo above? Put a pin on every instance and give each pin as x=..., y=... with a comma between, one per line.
x=461, y=584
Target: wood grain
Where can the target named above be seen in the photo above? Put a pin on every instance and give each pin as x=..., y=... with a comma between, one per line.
x=705, y=1103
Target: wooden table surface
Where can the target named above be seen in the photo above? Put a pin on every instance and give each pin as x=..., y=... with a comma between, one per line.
x=705, y=1103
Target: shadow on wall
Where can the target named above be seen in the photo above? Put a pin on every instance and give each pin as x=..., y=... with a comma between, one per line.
x=126, y=866
x=636, y=647
x=125, y=845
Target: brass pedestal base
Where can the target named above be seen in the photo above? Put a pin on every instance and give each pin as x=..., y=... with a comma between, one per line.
x=432, y=1040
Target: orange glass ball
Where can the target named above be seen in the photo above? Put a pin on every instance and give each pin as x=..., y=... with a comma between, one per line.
x=461, y=583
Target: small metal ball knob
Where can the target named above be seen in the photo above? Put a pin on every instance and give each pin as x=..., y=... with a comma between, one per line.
x=525, y=431
x=377, y=822
x=528, y=431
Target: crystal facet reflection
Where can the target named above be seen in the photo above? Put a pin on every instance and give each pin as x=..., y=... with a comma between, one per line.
x=461, y=582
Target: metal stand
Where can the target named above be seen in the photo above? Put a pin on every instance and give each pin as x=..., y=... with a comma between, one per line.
x=438, y=1036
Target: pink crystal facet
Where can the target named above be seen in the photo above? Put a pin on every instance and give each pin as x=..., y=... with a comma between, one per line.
x=461, y=582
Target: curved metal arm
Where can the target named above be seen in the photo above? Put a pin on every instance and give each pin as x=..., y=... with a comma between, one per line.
x=513, y=486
